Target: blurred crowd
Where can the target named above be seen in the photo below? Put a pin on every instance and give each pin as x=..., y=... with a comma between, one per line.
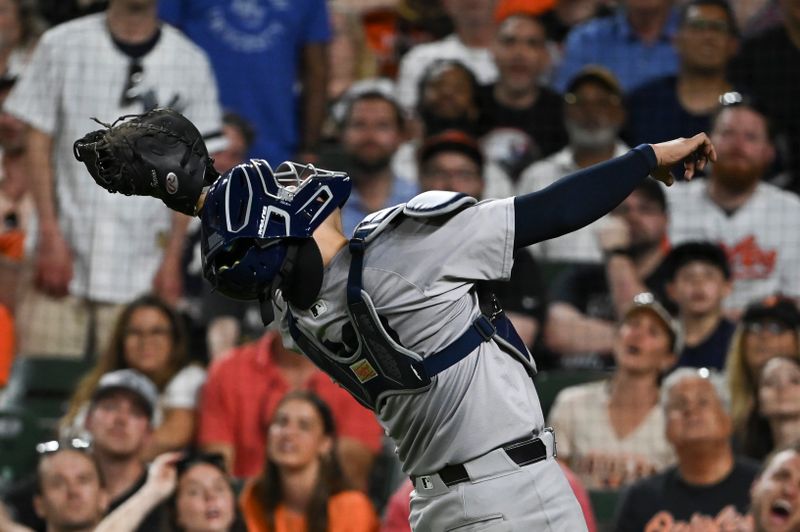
x=666, y=334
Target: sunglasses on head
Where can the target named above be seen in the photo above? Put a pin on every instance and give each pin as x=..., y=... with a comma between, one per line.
x=72, y=444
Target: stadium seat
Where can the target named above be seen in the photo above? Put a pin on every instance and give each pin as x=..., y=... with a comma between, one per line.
x=19, y=434
x=42, y=386
x=604, y=504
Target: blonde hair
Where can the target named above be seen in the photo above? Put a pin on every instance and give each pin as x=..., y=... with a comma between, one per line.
x=741, y=381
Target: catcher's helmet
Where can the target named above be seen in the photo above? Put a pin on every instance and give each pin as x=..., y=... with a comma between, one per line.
x=253, y=215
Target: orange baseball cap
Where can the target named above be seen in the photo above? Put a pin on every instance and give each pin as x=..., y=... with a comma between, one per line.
x=506, y=8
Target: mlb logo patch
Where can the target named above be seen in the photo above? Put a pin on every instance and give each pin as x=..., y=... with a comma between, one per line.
x=363, y=370
x=319, y=308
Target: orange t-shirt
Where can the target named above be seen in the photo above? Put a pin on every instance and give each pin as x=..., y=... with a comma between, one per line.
x=6, y=344
x=348, y=511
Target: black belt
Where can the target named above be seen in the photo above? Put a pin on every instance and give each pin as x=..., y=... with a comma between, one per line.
x=521, y=453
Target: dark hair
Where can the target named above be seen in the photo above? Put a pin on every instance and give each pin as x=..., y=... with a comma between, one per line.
x=242, y=125
x=331, y=480
x=371, y=95
x=707, y=252
x=652, y=190
x=683, y=13
x=436, y=67
x=191, y=459
x=114, y=356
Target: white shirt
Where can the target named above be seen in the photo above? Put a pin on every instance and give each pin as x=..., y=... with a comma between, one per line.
x=76, y=73
x=761, y=238
x=479, y=60
x=580, y=245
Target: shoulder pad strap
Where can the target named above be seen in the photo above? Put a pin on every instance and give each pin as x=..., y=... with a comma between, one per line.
x=437, y=203
x=374, y=223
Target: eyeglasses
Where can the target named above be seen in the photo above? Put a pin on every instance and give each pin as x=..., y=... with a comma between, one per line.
x=699, y=24
x=768, y=326
x=135, y=75
x=573, y=99
x=73, y=444
x=156, y=332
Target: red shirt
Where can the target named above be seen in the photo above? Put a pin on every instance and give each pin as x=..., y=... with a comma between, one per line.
x=241, y=393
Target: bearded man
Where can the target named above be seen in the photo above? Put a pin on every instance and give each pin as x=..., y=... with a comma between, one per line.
x=755, y=222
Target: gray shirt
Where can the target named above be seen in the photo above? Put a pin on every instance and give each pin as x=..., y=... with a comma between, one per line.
x=420, y=275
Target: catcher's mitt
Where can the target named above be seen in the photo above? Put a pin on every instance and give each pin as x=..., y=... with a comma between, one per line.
x=159, y=153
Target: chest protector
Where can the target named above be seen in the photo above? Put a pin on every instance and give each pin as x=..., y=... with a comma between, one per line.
x=380, y=366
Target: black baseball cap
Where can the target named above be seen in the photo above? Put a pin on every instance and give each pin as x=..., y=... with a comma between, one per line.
x=595, y=74
x=449, y=141
x=707, y=252
x=775, y=307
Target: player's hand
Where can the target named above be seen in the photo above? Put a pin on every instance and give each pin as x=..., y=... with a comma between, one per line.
x=53, y=263
x=694, y=153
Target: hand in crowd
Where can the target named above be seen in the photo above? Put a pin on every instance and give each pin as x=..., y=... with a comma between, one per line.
x=162, y=476
x=613, y=233
x=53, y=263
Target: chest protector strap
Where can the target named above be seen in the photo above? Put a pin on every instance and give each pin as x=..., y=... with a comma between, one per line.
x=380, y=364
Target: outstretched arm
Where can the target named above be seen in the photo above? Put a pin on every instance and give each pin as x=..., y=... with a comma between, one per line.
x=583, y=197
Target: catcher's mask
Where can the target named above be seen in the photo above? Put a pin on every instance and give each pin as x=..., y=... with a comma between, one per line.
x=257, y=225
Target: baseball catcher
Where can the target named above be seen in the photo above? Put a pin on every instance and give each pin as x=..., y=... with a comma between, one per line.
x=392, y=314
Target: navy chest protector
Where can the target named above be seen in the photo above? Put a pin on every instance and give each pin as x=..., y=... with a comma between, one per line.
x=380, y=366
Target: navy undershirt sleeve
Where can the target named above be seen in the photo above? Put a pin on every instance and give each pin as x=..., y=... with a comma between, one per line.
x=580, y=198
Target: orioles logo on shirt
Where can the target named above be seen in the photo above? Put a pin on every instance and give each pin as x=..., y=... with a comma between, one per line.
x=749, y=261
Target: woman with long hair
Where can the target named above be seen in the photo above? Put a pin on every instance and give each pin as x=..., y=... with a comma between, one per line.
x=302, y=487
x=768, y=329
x=196, y=490
x=149, y=336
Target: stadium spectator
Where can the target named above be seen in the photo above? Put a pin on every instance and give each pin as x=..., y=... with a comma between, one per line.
x=681, y=105
x=774, y=494
x=94, y=252
x=699, y=281
x=243, y=389
x=755, y=222
x=708, y=476
x=70, y=492
x=196, y=488
x=119, y=427
x=289, y=40
x=521, y=120
x=149, y=337
x=611, y=432
x=302, y=486
x=635, y=43
x=474, y=28
x=453, y=161
x=373, y=127
x=593, y=117
x=769, y=329
x=448, y=101
x=768, y=67
x=586, y=300
x=779, y=401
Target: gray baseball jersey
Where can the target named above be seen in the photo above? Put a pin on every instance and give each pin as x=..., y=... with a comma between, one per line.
x=420, y=275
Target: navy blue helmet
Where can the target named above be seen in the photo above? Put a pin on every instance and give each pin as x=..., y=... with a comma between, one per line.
x=253, y=215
